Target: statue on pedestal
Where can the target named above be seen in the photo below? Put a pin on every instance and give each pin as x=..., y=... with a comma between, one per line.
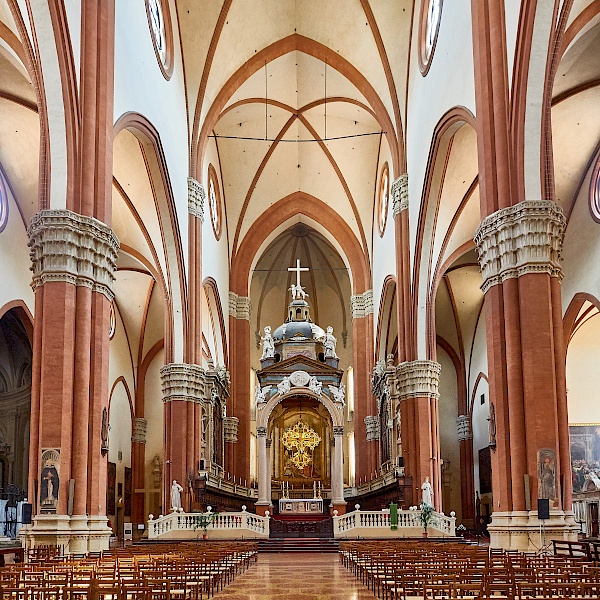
x=329, y=343
x=176, y=490
x=427, y=490
x=268, y=344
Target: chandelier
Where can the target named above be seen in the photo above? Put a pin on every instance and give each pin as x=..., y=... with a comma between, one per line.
x=298, y=439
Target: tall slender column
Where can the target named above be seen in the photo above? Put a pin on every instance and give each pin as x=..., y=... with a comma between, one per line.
x=263, y=501
x=467, y=480
x=418, y=392
x=519, y=252
x=269, y=471
x=238, y=456
x=138, y=468
x=337, y=475
x=364, y=404
x=183, y=387
x=399, y=193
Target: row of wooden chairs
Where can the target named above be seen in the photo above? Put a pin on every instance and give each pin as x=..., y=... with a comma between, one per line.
x=151, y=572
x=410, y=570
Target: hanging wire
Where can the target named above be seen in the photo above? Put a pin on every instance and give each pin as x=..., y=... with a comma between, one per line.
x=325, y=102
x=259, y=139
x=266, y=103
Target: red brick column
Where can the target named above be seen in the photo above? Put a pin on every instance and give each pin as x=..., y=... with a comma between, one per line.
x=366, y=453
x=183, y=388
x=237, y=453
x=418, y=391
x=519, y=252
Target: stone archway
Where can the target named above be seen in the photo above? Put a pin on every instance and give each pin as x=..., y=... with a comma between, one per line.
x=263, y=416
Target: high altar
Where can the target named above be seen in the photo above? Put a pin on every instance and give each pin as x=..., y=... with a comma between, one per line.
x=299, y=411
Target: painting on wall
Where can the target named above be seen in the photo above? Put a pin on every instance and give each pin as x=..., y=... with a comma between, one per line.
x=585, y=454
x=127, y=495
x=50, y=480
x=111, y=489
x=485, y=471
x=547, y=480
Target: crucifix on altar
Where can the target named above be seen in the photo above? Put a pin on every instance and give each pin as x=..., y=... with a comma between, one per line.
x=297, y=290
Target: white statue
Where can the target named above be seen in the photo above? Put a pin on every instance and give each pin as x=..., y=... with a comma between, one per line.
x=329, y=343
x=176, y=490
x=268, y=344
x=298, y=292
x=284, y=386
x=314, y=385
x=427, y=489
x=260, y=394
x=339, y=394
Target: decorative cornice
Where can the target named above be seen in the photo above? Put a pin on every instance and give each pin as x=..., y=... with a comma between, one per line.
x=361, y=305
x=230, y=429
x=139, y=430
x=520, y=239
x=400, y=194
x=182, y=382
x=418, y=379
x=196, y=197
x=65, y=246
x=372, y=424
x=239, y=306
x=261, y=432
x=463, y=428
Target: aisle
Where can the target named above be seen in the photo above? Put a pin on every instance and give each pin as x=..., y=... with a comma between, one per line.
x=307, y=576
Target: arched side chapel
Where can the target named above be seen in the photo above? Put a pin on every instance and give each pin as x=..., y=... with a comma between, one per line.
x=434, y=167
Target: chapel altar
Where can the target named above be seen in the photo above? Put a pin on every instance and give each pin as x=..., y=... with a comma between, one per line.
x=299, y=401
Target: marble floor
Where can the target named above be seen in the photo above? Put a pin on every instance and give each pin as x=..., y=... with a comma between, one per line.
x=296, y=576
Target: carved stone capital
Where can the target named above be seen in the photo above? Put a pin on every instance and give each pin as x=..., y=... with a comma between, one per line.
x=338, y=430
x=463, y=428
x=418, y=379
x=230, y=429
x=372, y=424
x=520, y=239
x=182, y=382
x=261, y=432
x=361, y=305
x=196, y=198
x=239, y=306
x=139, y=430
x=65, y=246
x=400, y=194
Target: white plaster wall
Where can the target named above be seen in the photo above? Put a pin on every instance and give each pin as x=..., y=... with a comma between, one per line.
x=430, y=98
x=14, y=259
x=384, y=248
x=141, y=87
x=119, y=436
x=583, y=373
x=581, y=249
x=215, y=253
x=120, y=362
x=449, y=448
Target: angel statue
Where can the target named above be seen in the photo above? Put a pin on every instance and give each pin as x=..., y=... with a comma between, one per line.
x=260, y=394
x=338, y=393
x=284, y=386
x=314, y=385
x=268, y=344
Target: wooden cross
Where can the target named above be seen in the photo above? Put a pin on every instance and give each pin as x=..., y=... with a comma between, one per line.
x=298, y=269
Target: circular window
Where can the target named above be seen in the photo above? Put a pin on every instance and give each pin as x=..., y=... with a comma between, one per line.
x=159, y=21
x=431, y=14
x=3, y=205
x=112, y=322
x=383, y=199
x=595, y=192
x=214, y=202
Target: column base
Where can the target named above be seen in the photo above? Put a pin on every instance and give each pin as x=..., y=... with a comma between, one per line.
x=263, y=507
x=523, y=531
x=339, y=506
x=78, y=534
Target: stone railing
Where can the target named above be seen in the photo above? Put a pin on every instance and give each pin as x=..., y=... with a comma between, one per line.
x=377, y=524
x=227, y=525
